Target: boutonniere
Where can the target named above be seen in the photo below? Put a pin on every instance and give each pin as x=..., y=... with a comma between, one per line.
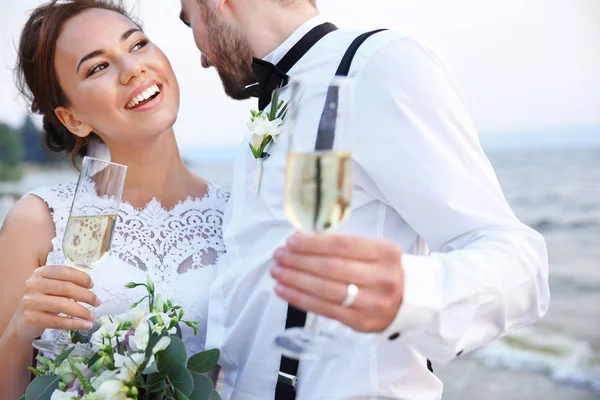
x=265, y=128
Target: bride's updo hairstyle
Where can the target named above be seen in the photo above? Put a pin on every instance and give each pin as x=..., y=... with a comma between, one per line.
x=35, y=72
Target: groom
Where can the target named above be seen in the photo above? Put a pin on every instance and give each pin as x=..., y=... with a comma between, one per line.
x=441, y=265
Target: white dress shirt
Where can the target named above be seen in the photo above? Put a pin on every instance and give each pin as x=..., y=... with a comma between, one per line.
x=422, y=180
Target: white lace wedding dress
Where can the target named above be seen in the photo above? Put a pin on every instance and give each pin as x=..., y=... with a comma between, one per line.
x=178, y=248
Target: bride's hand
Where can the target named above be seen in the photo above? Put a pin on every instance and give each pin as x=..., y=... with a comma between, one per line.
x=50, y=291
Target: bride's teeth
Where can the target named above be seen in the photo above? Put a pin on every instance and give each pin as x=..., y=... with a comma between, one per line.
x=145, y=95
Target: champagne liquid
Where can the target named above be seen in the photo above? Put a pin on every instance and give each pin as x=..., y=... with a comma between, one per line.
x=87, y=239
x=318, y=190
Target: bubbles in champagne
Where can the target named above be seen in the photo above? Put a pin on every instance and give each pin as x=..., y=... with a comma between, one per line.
x=318, y=190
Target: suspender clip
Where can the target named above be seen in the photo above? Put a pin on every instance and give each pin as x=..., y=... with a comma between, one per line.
x=288, y=379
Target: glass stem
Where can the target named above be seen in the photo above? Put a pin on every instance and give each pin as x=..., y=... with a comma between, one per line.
x=64, y=337
x=311, y=323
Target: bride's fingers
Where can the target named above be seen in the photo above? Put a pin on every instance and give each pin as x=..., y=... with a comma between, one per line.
x=65, y=289
x=63, y=273
x=57, y=305
x=48, y=321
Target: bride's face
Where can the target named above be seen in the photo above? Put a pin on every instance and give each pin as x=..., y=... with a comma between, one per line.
x=119, y=84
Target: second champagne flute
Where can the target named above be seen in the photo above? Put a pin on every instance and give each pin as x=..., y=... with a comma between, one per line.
x=318, y=188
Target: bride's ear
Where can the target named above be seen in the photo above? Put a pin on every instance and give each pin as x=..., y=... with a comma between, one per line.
x=72, y=123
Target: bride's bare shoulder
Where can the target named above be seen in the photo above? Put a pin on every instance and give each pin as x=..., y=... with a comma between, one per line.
x=28, y=228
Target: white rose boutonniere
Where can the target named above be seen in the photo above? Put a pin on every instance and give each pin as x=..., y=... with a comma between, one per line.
x=264, y=128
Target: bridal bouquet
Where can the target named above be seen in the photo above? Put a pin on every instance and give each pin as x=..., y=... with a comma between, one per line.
x=136, y=355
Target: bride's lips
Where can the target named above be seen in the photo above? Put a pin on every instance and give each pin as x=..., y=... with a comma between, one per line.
x=145, y=97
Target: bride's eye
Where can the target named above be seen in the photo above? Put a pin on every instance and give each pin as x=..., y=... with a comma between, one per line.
x=97, y=68
x=140, y=44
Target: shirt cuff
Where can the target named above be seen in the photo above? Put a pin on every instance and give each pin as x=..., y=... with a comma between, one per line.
x=421, y=299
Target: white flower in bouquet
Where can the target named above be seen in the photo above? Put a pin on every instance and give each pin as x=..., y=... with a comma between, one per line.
x=163, y=321
x=112, y=390
x=107, y=334
x=104, y=320
x=128, y=365
x=141, y=337
x=123, y=366
x=162, y=344
x=103, y=377
x=135, y=315
x=59, y=395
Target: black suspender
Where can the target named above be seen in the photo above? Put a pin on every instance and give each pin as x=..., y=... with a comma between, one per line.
x=288, y=367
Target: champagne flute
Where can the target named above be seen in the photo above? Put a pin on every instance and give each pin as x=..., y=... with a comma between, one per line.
x=89, y=230
x=318, y=188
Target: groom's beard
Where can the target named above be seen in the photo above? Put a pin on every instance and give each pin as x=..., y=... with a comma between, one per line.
x=232, y=57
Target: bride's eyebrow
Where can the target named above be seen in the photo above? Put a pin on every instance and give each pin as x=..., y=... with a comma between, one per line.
x=97, y=53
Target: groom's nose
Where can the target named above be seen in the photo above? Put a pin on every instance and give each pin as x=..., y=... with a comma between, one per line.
x=205, y=62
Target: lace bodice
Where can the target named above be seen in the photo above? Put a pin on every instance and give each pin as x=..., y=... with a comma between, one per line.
x=178, y=248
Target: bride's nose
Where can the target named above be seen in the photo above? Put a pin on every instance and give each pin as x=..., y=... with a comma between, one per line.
x=131, y=69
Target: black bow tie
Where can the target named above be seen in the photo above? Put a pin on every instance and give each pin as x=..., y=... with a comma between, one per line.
x=269, y=77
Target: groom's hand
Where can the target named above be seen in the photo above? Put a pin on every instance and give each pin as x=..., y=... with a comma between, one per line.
x=313, y=273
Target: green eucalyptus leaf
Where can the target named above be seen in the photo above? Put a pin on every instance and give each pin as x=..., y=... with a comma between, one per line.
x=204, y=362
x=181, y=379
x=41, y=388
x=158, y=388
x=203, y=387
x=153, y=381
x=173, y=355
x=180, y=396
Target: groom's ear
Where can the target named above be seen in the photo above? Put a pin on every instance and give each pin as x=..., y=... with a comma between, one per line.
x=76, y=126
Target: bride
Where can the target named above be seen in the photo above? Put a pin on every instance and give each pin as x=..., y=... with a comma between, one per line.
x=96, y=78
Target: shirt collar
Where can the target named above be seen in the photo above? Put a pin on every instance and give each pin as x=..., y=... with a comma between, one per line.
x=276, y=55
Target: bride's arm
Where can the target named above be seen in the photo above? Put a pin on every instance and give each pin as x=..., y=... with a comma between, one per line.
x=24, y=241
x=27, y=292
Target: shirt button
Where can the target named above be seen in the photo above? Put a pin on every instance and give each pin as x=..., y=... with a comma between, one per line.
x=394, y=336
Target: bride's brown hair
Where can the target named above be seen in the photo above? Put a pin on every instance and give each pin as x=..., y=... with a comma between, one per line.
x=35, y=72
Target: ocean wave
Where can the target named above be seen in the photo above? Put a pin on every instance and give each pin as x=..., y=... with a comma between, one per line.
x=545, y=225
x=564, y=359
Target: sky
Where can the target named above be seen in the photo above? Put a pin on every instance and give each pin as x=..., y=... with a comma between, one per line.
x=523, y=65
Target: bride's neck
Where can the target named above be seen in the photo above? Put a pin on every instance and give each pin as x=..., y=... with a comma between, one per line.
x=156, y=170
